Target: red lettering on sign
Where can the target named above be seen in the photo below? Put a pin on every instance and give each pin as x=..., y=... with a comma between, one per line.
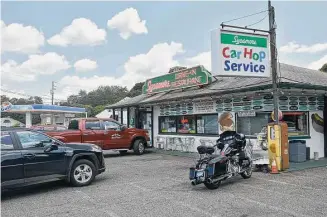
x=225, y=49
x=160, y=85
x=246, y=52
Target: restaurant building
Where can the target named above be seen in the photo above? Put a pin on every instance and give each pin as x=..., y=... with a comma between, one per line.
x=188, y=107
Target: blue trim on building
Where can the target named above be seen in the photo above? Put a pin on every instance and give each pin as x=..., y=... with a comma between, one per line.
x=41, y=107
x=58, y=108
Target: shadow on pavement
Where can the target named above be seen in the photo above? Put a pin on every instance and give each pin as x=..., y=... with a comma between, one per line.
x=33, y=189
x=113, y=154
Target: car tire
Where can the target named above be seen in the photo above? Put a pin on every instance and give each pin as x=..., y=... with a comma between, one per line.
x=123, y=152
x=139, y=147
x=82, y=173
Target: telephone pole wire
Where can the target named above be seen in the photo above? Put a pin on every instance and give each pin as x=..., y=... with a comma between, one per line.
x=273, y=48
x=53, y=87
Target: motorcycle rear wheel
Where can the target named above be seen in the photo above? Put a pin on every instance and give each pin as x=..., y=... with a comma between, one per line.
x=212, y=186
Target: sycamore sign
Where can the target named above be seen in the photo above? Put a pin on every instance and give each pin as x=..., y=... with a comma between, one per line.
x=239, y=54
x=182, y=79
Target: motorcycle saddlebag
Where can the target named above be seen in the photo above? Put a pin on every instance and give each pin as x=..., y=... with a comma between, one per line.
x=217, y=166
x=192, y=173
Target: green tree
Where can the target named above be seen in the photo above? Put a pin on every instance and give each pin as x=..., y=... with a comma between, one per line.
x=99, y=108
x=324, y=68
x=136, y=90
x=22, y=101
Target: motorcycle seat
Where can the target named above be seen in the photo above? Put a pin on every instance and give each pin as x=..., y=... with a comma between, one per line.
x=203, y=149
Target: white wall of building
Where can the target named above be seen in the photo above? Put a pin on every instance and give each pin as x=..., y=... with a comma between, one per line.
x=9, y=122
x=316, y=142
x=104, y=114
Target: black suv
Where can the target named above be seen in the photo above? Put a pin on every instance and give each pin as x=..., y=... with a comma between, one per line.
x=31, y=157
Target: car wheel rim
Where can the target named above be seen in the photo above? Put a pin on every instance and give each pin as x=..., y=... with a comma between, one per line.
x=83, y=173
x=141, y=147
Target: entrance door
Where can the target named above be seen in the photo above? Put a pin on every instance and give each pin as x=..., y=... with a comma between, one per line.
x=145, y=122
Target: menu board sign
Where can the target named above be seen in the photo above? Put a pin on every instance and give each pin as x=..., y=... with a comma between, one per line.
x=204, y=107
x=246, y=114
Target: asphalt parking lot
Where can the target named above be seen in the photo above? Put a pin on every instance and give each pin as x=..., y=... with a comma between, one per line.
x=157, y=185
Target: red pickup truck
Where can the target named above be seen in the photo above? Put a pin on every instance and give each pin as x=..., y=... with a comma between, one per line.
x=106, y=133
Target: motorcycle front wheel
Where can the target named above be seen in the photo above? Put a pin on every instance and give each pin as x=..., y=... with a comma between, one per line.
x=247, y=173
x=212, y=186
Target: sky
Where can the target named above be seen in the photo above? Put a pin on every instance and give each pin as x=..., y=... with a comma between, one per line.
x=82, y=45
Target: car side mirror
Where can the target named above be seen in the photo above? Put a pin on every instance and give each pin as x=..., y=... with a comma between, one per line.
x=51, y=147
x=123, y=127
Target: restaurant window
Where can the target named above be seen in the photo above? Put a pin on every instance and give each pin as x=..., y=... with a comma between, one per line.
x=132, y=117
x=118, y=115
x=167, y=124
x=297, y=123
x=125, y=116
x=252, y=125
x=186, y=124
x=207, y=124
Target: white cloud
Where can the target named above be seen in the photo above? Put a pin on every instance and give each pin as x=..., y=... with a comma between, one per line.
x=20, y=39
x=293, y=47
x=46, y=64
x=81, y=31
x=157, y=61
x=200, y=59
x=84, y=65
x=318, y=64
x=128, y=22
x=73, y=84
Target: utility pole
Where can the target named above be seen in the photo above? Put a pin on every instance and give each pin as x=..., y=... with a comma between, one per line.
x=53, y=87
x=273, y=49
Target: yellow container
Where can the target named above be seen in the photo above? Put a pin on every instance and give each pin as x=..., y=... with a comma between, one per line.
x=277, y=139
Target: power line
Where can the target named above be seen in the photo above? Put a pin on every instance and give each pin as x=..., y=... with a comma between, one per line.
x=257, y=21
x=27, y=95
x=244, y=16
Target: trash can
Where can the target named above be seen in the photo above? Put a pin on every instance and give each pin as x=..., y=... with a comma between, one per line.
x=297, y=151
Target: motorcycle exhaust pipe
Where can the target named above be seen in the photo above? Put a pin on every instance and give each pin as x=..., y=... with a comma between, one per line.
x=210, y=181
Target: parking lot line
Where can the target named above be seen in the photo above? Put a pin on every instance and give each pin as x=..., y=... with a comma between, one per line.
x=286, y=183
x=277, y=192
x=89, y=198
x=194, y=208
x=274, y=208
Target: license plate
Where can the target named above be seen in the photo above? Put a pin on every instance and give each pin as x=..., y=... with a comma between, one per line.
x=199, y=174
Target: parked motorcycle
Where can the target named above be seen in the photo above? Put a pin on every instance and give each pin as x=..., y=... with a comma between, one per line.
x=235, y=158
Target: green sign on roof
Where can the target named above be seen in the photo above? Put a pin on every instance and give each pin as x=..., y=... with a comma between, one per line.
x=190, y=77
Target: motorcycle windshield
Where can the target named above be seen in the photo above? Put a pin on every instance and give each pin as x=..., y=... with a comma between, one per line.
x=226, y=150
